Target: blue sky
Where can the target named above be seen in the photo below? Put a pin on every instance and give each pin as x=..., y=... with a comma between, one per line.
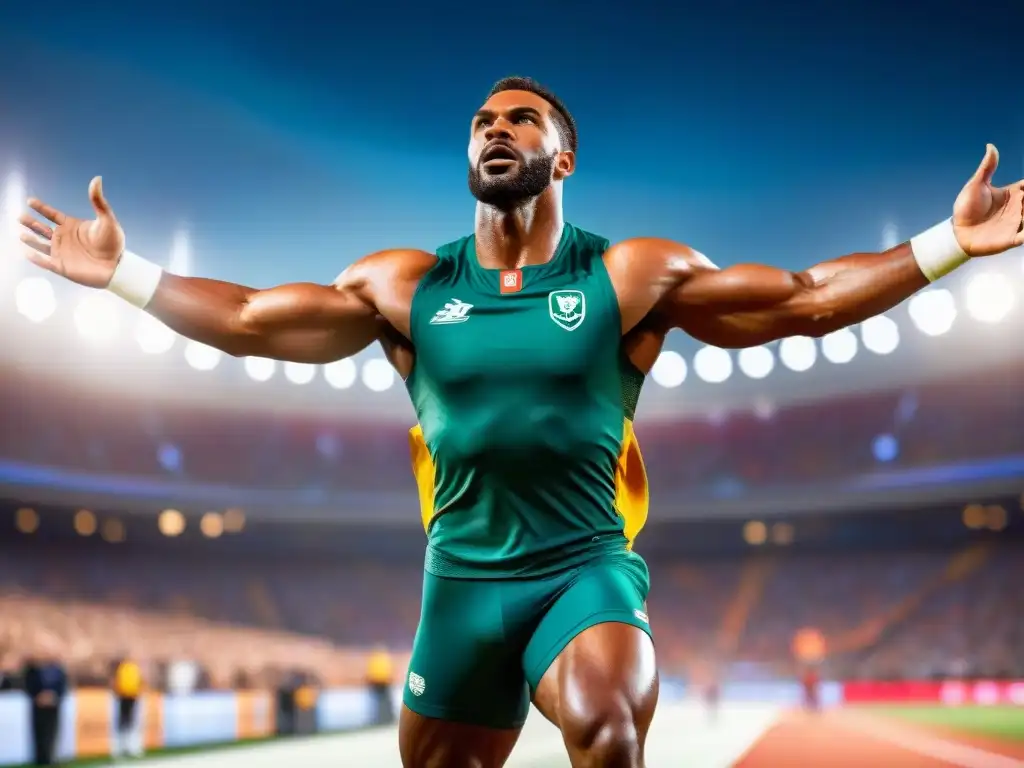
x=290, y=139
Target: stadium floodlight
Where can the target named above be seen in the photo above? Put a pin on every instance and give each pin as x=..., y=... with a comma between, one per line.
x=34, y=298
x=202, y=357
x=153, y=336
x=840, y=346
x=181, y=255
x=756, y=362
x=341, y=374
x=880, y=334
x=96, y=316
x=11, y=206
x=669, y=369
x=988, y=297
x=378, y=375
x=713, y=364
x=890, y=236
x=798, y=353
x=933, y=311
x=260, y=368
x=299, y=373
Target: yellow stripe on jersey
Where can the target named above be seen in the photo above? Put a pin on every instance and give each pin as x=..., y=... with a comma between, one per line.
x=632, y=494
x=423, y=471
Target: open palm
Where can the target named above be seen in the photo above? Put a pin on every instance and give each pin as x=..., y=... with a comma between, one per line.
x=989, y=219
x=84, y=251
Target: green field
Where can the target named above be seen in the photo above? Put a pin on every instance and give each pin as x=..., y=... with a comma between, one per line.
x=997, y=722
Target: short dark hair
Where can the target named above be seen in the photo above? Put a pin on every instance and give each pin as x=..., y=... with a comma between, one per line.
x=562, y=116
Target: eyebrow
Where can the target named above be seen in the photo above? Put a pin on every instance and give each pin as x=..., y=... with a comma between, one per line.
x=490, y=114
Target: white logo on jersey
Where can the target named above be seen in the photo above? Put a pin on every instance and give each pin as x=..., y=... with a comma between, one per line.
x=417, y=684
x=510, y=279
x=567, y=308
x=454, y=311
x=641, y=615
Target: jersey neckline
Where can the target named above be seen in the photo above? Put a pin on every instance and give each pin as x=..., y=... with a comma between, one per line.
x=526, y=269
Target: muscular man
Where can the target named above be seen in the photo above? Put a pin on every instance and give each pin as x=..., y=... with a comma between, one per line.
x=524, y=347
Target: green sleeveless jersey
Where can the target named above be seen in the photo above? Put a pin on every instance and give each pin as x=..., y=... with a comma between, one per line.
x=524, y=454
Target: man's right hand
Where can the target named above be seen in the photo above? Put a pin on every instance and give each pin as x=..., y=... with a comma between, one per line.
x=84, y=251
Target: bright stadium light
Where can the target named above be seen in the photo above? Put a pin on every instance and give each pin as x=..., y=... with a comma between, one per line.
x=34, y=298
x=756, y=362
x=154, y=337
x=988, y=297
x=96, y=317
x=341, y=374
x=260, y=368
x=713, y=364
x=669, y=369
x=202, y=357
x=181, y=255
x=880, y=335
x=933, y=311
x=798, y=353
x=299, y=373
x=378, y=375
x=890, y=236
x=11, y=206
x=840, y=346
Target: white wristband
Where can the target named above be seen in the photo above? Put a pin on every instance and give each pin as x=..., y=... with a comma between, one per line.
x=135, y=280
x=937, y=251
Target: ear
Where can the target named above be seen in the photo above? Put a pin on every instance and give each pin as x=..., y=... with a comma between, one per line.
x=565, y=165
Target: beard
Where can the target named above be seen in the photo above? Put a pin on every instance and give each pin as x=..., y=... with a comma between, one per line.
x=508, y=190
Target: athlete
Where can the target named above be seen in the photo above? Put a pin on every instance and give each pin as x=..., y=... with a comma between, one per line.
x=523, y=347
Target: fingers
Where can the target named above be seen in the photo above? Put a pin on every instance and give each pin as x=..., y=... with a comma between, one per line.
x=47, y=211
x=40, y=260
x=37, y=244
x=99, y=202
x=988, y=166
x=36, y=226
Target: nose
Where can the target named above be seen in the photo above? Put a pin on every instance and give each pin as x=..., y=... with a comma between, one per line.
x=499, y=129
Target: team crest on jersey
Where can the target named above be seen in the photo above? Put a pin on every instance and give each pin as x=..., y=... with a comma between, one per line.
x=567, y=308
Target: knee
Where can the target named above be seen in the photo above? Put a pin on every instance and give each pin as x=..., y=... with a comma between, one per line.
x=605, y=736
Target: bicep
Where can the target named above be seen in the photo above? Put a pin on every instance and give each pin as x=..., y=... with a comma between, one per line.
x=310, y=323
x=740, y=306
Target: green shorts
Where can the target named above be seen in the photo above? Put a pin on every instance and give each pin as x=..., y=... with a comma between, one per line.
x=483, y=645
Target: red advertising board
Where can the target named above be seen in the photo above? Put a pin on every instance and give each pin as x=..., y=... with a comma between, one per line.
x=952, y=693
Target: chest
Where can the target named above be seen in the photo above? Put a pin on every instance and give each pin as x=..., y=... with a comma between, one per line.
x=517, y=330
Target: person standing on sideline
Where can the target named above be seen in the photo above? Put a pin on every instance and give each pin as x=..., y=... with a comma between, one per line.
x=127, y=686
x=46, y=683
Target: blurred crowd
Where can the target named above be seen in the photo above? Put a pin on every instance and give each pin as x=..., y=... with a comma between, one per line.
x=247, y=621
x=817, y=442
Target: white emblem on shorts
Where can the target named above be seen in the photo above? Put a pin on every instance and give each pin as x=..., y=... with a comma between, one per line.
x=417, y=684
x=641, y=615
x=567, y=308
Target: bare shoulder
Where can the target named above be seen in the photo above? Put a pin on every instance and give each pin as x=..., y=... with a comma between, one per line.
x=644, y=270
x=394, y=265
x=656, y=256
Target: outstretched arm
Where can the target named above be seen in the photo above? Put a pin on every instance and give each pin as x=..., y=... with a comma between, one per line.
x=749, y=304
x=299, y=322
x=302, y=322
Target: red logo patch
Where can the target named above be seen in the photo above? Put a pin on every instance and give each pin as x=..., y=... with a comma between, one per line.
x=511, y=280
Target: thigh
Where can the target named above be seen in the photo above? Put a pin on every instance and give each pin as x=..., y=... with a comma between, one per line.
x=465, y=666
x=612, y=589
x=428, y=742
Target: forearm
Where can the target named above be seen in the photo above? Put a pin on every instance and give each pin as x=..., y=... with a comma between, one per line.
x=208, y=311
x=300, y=322
x=853, y=288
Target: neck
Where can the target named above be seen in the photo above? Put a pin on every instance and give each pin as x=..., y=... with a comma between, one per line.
x=524, y=236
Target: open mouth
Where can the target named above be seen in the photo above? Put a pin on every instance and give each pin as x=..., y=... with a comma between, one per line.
x=498, y=157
